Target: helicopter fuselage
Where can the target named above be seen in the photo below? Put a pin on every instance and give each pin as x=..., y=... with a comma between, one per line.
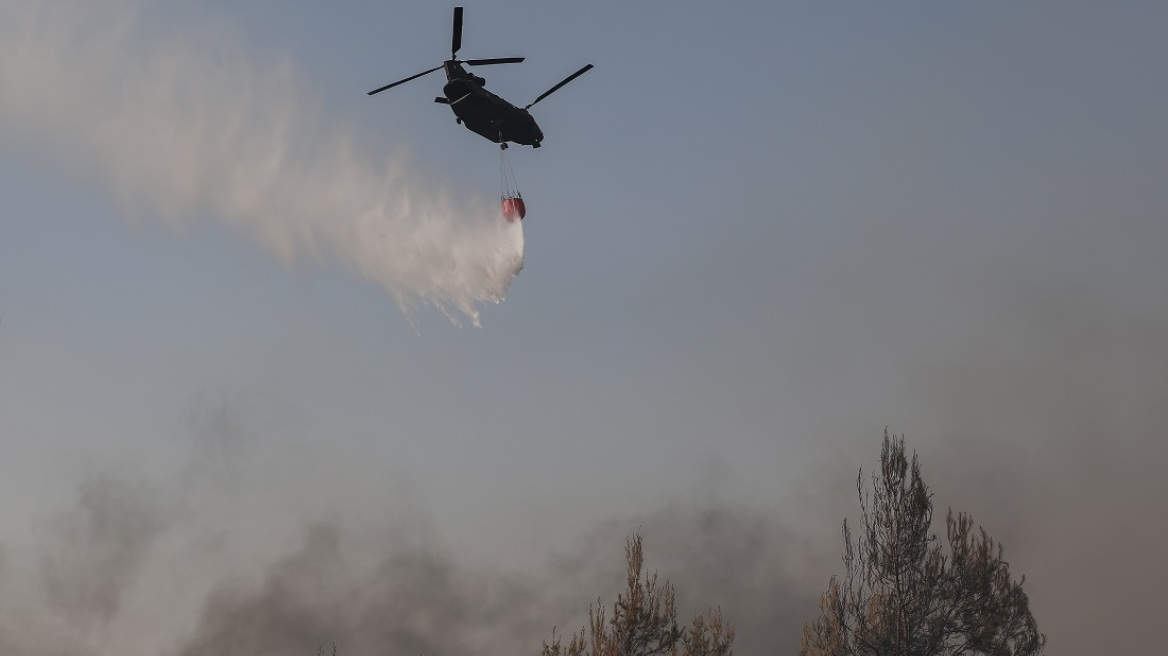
x=481, y=111
x=484, y=113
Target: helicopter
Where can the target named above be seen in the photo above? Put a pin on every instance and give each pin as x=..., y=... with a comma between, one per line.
x=481, y=111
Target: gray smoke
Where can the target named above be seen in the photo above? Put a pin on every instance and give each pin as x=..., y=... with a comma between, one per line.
x=140, y=567
x=94, y=554
x=1039, y=413
x=212, y=581
x=67, y=590
x=413, y=600
x=416, y=600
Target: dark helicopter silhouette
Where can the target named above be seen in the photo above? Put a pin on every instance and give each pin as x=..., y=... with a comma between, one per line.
x=481, y=111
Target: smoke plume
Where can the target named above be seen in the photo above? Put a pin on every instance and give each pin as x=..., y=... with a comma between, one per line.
x=205, y=563
x=124, y=574
x=183, y=124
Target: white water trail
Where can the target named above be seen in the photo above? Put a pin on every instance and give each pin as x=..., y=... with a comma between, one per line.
x=182, y=125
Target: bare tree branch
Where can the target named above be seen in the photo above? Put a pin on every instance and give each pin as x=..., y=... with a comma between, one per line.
x=644, y=622
x=903, y=594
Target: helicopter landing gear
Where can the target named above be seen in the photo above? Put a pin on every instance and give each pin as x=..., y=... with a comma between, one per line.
x=502, y=141
x=458, y=121
x=503, y=146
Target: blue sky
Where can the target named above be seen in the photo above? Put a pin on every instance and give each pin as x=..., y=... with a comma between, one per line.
x=758, y=234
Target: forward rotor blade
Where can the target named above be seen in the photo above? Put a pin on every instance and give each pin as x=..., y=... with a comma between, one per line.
x=412, y=77
x=497, y=60
x=556, y=88
x=456, y=39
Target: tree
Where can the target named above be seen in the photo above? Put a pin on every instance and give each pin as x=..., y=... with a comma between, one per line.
x=644, y=622
x=902, y=594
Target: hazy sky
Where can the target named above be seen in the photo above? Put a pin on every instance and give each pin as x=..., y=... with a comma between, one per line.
x=244, y=405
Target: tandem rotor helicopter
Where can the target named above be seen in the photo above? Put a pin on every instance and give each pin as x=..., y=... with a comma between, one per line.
x=481, y=111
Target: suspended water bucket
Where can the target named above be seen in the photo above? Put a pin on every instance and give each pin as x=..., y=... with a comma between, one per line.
x=513, y=208
x=510, y=200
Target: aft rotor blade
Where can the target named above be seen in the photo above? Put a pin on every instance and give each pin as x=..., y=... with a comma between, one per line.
x=456, y=39
x=497, y=60
x=412, y=77
x=556, y=88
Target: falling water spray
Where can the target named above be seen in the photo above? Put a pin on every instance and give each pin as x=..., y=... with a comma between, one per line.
x=186, y=125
